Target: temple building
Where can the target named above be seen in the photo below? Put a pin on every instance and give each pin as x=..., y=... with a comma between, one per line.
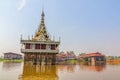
x=40, y=49
x=12, y=56
x=93, y=58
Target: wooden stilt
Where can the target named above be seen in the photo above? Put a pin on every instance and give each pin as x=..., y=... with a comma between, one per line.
x=40, y=59
x=46, y=59
x=53, y=59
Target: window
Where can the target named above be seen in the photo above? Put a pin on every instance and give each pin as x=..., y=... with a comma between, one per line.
x=37, y=46
x=27, y=46
x=43, y=46
x=52, y=47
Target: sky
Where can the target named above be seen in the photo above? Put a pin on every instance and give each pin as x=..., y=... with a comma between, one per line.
x=84, y=26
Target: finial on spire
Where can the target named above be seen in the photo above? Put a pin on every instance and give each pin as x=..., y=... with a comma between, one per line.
x=43, y=12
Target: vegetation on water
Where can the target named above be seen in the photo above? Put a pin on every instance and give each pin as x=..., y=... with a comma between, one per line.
x=72, y=61
x=84, y=60
x=68, y=62
x=1, y=59
x=113, y=57
x=15, y=60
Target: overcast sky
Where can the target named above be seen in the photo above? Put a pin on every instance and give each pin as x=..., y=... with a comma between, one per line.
x=83, y=25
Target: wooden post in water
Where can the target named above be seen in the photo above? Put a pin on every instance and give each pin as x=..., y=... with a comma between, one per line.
x=45, y=59
x=40, y=59
x=53, y=59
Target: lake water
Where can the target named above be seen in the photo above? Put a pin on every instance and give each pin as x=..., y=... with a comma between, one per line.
x=21, y=71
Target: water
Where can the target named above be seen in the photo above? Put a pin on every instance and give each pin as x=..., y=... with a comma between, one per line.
x=21, y=71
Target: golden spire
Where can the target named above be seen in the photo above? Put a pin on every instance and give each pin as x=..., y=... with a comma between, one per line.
x=42, y=34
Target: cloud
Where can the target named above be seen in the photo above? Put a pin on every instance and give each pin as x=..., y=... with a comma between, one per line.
x=22, y=4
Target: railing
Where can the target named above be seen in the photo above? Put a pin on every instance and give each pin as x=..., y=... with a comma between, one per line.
x=39, y=51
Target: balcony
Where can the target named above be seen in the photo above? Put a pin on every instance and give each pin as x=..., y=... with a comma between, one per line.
x=39, y=51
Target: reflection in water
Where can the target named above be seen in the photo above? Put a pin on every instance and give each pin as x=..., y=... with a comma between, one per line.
x=113, y=62
x=10, y=70
x=50, y=72
x=68, y=68
x=11, y=65
x=16, y=71
x=98, y=67
x=39, y=72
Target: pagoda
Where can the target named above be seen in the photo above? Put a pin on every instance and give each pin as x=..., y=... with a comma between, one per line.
x=40, y=49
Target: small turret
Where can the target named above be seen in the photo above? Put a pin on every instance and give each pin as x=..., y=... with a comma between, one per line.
x=21, y=37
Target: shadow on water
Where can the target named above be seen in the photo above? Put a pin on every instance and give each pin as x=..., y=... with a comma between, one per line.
x=38, y=72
